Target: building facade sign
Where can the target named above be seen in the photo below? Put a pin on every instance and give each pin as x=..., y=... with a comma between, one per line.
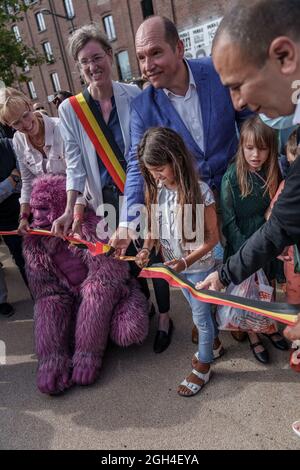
x=198, y=40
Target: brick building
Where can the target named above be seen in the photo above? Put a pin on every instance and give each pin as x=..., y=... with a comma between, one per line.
x=48, y=23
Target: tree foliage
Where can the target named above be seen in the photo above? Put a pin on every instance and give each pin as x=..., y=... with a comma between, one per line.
x=14, y=54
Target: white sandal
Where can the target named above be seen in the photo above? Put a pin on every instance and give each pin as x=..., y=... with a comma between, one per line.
x=218, y=352
x=195, y=388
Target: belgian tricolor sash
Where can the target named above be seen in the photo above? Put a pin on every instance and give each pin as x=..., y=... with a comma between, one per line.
x=101, y=136
x=282, y=312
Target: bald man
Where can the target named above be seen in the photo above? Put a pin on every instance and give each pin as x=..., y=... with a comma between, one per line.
x=186, y=96
x=257, y=53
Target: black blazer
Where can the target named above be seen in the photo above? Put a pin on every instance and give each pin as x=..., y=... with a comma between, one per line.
x=9, y=208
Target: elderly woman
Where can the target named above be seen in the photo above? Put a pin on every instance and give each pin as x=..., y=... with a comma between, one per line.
x=37, y=144
x=107, y=103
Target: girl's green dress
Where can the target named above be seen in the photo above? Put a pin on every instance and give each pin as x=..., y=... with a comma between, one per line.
x=242, y=216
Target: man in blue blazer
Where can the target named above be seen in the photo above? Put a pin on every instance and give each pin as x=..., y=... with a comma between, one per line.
x=186, y=96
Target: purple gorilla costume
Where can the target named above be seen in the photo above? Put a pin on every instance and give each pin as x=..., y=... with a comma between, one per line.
x=79, y=299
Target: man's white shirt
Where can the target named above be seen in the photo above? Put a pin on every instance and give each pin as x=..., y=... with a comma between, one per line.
x=188, y=108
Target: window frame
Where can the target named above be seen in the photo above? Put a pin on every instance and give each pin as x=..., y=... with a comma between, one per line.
x=118, y=65
x=48, y=51
x=39, y=23
x=32, y=90
x=54, y=82
x=109, y=27
x=144, y=8
x=67, y=5
x=18, y=35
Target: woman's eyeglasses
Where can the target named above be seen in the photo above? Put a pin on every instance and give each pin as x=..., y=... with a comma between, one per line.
x=97, y=59
x=18, y=123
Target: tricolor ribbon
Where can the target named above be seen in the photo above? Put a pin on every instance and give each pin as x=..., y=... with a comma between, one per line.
x=282, y=312
x=95, y=248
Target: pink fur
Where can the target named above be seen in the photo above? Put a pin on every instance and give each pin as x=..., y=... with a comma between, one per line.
x=107, y=302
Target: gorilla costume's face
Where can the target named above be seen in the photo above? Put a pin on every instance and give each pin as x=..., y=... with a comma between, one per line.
x=41, y=216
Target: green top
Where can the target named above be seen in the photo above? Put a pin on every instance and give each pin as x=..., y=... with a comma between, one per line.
x=241, y=216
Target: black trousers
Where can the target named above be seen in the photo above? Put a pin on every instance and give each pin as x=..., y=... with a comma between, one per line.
x=160, y=286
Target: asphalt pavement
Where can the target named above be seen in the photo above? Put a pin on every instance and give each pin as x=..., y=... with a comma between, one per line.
x=134, y=404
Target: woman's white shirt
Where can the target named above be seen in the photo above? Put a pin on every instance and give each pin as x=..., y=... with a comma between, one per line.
x=32, y=162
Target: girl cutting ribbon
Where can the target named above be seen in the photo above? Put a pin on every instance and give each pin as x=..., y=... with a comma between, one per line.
x=172, y=188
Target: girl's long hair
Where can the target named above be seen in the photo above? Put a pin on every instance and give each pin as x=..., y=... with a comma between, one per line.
x=262, y=136
x=162, y=146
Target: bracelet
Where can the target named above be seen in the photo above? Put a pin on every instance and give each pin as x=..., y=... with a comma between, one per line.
x=24, y=215
x=78, y=218
x=185, y=263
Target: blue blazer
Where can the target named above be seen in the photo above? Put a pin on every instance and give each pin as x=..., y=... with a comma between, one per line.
x=152, y=108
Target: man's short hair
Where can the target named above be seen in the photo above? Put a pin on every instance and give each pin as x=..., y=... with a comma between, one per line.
x=254, y=25
x=62, y=94
x=170, y=30
x=293, y=142
x=171, y=33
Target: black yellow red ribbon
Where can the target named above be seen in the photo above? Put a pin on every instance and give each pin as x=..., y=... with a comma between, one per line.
x=95, y=248
x=282, y=312
x=100, y=141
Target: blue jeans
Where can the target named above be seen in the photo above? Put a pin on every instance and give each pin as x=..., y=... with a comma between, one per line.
x=203, y=319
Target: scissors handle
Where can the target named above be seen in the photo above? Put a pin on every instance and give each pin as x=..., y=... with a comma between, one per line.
x=110, y=252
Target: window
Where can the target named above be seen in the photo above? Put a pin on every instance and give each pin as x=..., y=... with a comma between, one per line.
x=123, y=64
x=109, y=27
x=12, y=9
x=69, y=8
x=48, y=51
x=29, y=2
x=147, y=8
x=26, y=67
x=40, y=21
x=16, y=32
x=31, y=90
x=55, y=81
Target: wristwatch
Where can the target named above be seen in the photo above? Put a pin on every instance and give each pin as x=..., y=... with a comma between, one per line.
x=16, y=178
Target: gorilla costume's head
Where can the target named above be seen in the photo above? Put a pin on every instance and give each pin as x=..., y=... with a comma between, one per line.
x=48, y=200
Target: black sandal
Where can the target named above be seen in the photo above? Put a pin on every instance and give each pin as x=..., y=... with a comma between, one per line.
x=280, y=344
x=262, y=356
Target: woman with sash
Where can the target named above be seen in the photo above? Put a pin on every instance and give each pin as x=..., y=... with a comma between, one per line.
x=95, y=129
